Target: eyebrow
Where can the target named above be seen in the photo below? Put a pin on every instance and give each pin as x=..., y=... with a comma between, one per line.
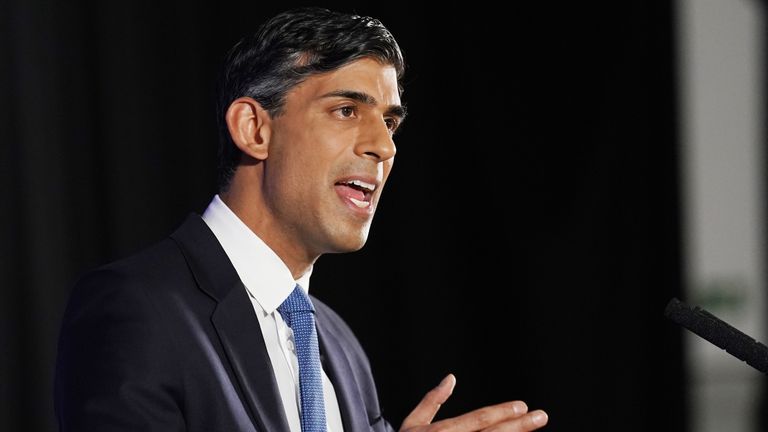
x=395, y=110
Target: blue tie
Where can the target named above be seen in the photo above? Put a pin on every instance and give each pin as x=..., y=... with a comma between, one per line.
x=297, y=311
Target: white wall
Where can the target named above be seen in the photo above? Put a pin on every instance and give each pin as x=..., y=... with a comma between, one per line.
x=720, y=53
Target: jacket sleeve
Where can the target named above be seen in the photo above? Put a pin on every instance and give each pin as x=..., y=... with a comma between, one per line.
x=116, y=361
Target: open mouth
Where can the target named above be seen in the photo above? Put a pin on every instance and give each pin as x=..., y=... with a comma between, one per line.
x=357, y=192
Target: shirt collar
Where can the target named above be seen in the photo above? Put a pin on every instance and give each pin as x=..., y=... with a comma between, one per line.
x=264, y=274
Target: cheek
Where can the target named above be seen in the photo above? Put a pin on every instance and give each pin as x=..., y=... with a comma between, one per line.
x=296, y=161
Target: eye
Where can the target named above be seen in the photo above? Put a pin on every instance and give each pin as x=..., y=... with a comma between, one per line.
x=392, y=124
x=347, y=111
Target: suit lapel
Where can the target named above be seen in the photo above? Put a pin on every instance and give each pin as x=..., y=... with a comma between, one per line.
x=235, y=322
x=340, y=372
x=241, y=337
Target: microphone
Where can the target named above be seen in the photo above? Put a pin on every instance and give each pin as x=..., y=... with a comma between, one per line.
x=719, y=333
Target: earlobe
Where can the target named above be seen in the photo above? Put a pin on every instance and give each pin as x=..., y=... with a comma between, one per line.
x=249, y=127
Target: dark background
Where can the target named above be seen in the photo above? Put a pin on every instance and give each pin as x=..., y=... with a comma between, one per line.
x=528, y=240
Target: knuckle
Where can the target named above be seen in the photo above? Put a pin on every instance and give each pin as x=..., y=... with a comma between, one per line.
x=432, y=396
x=484, y=417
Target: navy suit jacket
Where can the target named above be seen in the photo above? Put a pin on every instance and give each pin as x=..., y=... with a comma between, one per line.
x=167, y=340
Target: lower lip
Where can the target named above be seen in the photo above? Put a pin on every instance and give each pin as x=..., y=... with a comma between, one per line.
x=345, y=193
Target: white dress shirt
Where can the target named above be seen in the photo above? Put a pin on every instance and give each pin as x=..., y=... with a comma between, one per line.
x=269, y=282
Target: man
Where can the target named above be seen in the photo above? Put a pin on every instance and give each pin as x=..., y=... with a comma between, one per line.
x=194, y=333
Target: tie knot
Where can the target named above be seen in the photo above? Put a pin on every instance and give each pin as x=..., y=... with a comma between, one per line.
x=297, y=301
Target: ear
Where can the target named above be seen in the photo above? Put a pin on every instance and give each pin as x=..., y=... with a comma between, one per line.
x=249, y=126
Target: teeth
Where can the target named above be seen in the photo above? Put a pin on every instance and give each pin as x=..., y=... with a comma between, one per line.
x=364, y=185
x=361, y=204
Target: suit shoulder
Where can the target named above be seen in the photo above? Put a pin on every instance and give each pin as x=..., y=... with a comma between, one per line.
x=130, y=280
x=152, y=265
x=116, y=346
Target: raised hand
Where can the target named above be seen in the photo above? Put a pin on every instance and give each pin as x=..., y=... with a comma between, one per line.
x=507, y=416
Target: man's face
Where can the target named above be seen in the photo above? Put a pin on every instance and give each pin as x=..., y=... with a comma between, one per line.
x=330, y=153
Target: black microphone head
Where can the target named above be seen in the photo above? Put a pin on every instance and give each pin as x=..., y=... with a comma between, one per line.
x=719, y=333
x=676, y=310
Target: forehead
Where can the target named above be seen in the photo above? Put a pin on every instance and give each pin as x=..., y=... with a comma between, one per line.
x=365, y=75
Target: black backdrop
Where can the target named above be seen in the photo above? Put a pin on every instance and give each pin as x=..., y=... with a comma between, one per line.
x=528, y=240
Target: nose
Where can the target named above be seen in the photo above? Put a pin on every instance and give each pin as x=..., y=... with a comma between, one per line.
x=376, y=142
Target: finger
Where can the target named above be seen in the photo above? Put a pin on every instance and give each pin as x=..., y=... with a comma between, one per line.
x=486, y=417
x=528, y=422
x=426, y=410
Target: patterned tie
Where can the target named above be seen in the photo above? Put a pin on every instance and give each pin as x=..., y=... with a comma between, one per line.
x=299, y=314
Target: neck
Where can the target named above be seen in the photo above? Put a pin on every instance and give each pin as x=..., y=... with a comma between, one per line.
x=243, y=197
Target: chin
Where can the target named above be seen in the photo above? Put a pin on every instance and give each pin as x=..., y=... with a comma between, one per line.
x=351, y=246
x=341, y=238
x=350, y=242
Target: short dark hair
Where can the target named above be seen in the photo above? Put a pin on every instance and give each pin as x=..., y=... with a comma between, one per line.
x=286, y=50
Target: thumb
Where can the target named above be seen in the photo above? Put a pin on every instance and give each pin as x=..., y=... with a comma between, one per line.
x=426, y=410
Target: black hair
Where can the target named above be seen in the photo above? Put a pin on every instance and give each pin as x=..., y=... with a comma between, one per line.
x=286, y=50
